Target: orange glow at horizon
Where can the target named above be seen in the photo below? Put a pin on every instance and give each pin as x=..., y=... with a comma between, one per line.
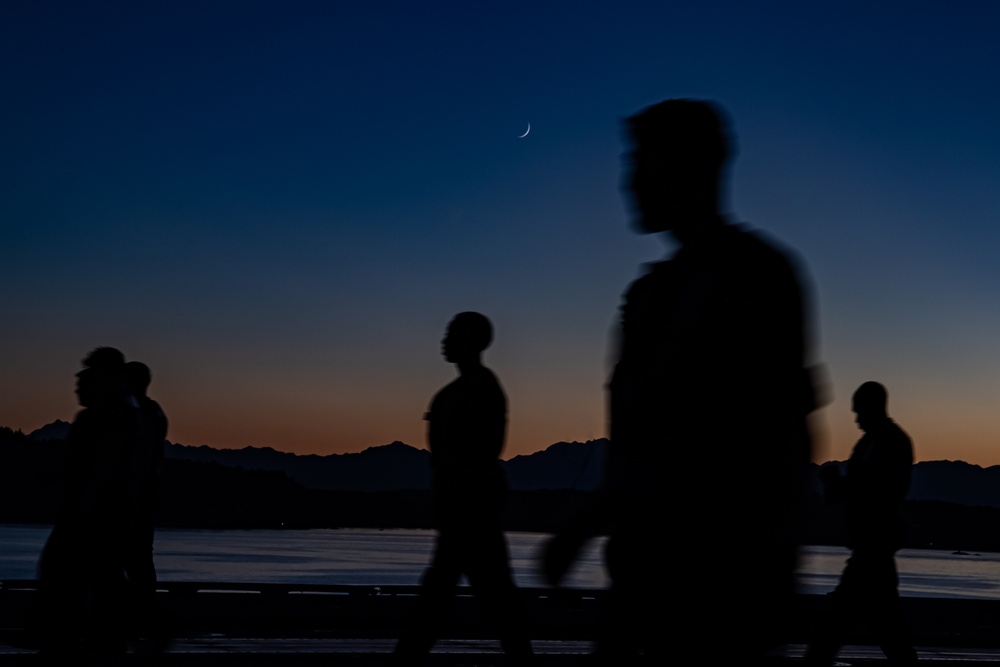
x=232, y=413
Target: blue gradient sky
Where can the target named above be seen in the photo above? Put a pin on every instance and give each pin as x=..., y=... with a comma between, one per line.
x=279, y=205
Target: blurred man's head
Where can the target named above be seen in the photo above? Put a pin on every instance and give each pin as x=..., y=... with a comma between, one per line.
x=104, y=357
x=102, y=378
x=97, y=386
x=679, y=149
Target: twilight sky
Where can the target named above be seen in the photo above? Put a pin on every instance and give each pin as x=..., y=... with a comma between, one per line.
x=279, y=205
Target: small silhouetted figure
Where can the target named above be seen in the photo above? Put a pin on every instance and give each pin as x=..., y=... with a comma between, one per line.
x=144, y=479
x=80, y=570
x=466, y=429
x=871, y=493
x=708, y=409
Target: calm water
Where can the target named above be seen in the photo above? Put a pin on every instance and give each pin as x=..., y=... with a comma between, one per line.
x=398, y=557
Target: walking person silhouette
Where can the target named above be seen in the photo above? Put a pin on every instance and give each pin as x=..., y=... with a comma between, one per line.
x=871, y=494
x=466, y=429
x=144, y=480
x=81, y=589
x=708, y=416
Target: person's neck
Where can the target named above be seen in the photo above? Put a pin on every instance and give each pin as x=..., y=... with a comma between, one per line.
x=468, y=365
x=697, y=228
x=875, y=422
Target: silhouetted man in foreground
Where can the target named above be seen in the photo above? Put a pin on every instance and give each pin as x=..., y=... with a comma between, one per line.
x=709, y=403
x=871, y=493
x=81, y=569
x=466, y=430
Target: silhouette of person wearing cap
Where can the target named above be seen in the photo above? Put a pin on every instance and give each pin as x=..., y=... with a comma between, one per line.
x=80, y=570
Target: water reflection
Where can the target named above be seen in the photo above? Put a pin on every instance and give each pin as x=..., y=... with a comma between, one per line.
x=922, y=572
x=398, y=557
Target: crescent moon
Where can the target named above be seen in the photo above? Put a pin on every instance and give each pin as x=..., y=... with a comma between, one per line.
x=522, y=136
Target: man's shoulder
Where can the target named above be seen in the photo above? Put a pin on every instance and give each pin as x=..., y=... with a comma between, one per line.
x=759, y=245
x=892, y=437
x=485, y=379
x=82, y=421
x=152, y=407
x=739, y=248
x=652, y=275
x=106, y=412
x=898, y=432
x=470, y=385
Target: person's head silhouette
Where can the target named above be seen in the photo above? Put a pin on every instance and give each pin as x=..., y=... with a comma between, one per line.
x=468, y=334
x=97, y=386
x=87, y=387
x=679, y=149
x=102, y=379
x=869, y=404
x=137, y=378
x=105, y=357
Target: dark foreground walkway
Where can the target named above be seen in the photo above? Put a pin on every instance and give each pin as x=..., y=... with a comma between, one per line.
x=271, y=625
x=249, y=652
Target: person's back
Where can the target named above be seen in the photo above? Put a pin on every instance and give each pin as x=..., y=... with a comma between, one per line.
x=877, y=480
x=712, y=351
x=144, y=489
x=708, y=427
x=147, y=457
x=465, y=434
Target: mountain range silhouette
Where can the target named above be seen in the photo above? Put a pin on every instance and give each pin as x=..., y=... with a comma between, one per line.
x=952, y=504
x=561, y=466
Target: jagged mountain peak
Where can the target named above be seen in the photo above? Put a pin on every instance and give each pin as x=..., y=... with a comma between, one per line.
x=57, y=430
